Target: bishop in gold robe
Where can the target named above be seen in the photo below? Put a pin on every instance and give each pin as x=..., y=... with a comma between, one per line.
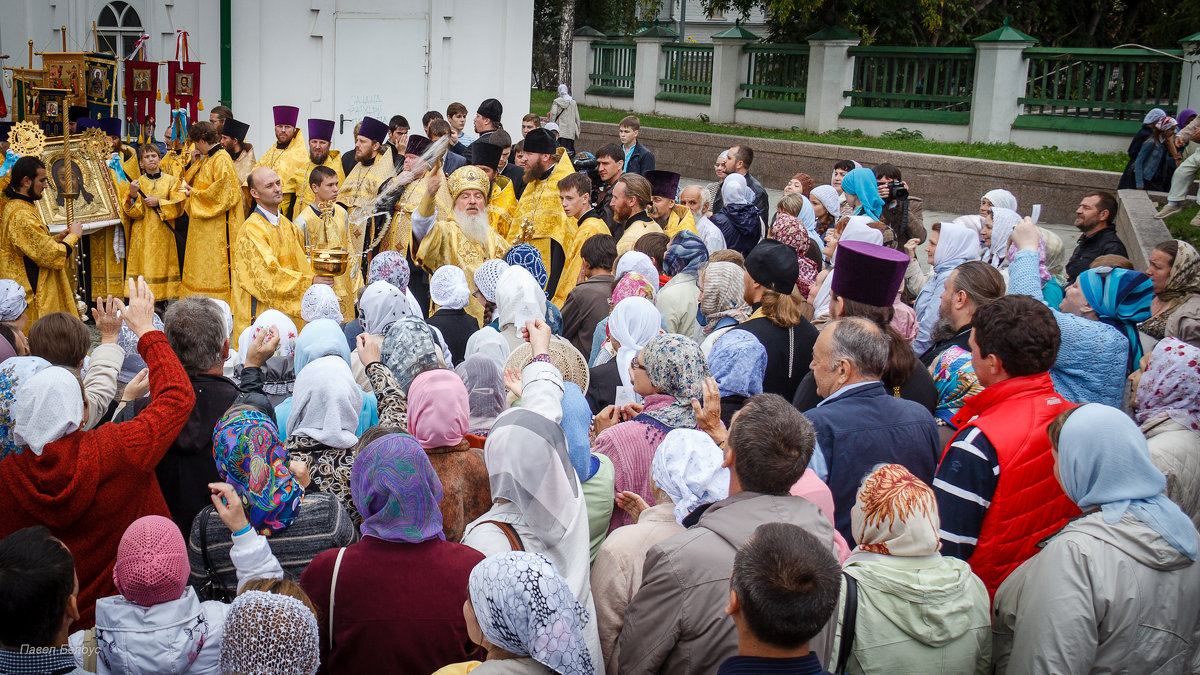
x=214, y=210
x=270, y=267
x=153, y=203
x=502, y=199
x=323, y=225
x=24, y=236
x=462, y=237
x=289, y=153
x=320, y=137
x=539, y=219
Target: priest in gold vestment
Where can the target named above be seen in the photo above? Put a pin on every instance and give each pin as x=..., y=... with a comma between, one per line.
x=399, y=236
x=320, y=138
x=539, y=219
x=23, y=236
x=153, y=203
x=270, y=267
x=214, y=210
x=672, y=217
x=361, y=187
x=323, y=225
x=289, y=153
x=233, y=138
x=463, y=237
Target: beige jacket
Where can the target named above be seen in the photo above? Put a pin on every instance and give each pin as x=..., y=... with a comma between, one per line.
x=617, y=571
x=676, y=623
x=1175, y=450
x=100, y=381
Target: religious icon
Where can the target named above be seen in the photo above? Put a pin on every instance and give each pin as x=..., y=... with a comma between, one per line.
x=97, y=82
x=95, y=207
x=183, y=84
x=58, y=171
x=52, y=110
x=141, y=79
x=66, y=70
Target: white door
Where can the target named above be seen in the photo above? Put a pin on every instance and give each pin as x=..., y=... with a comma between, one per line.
x=381, y=65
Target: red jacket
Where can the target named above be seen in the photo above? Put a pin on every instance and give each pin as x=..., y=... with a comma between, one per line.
x=89, y=486
x=1028, y=504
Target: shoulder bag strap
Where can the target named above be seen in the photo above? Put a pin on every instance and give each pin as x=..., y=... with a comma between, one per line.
x=849, y=621
x=213, y=579
x=90, y=647
x=514, y=539
x=337, y=565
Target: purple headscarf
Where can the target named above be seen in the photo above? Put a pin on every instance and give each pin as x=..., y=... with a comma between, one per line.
x=397, y=491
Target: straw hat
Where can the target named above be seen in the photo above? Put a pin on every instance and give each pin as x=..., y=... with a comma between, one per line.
x=563, y=356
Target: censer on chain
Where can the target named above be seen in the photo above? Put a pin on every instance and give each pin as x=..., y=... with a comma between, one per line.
x=327, y=261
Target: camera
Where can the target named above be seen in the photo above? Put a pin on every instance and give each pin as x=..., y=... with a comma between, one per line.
x=897, y=191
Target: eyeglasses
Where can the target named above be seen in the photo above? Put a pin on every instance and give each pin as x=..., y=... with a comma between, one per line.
x=637, y=366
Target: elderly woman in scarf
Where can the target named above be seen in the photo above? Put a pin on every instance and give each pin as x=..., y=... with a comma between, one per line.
x=1167, y=408
x=950, y=245
x=955, y=379
x=381, y=306
x=633, y=322
x=1120, y=584
x=269, y=632
x=405, y=352
x=687, y=473
x=89, y=486
x=722, y=301
x=902, y=582
x=629, y=285
x=439, y=415
x=320, y=302
x=1174, y=267
x=739, y=220
x=538, y=502
x=319, y=341
x=523, y=614
x=997, y=197
x=996, y=234
x=519, y=298
x=484, y=380
x=449, y=291
x=862, y=192
x=279, y=372
x=667, y=373
x=679, y=298
x=738, y=361
x=525, y=255
x=299, y=523
x=403, y=554
x=389, y=266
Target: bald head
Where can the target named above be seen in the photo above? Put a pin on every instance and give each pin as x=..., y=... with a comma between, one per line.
x=693, y=198
x=266, y=188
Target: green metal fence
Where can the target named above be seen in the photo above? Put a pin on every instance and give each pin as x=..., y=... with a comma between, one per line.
x=688, y=74
x=1097, y=90
x=613, y=68
x=912, y=84
x=776, y=78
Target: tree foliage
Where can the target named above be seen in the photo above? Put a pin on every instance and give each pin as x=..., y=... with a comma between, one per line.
x=607, y=16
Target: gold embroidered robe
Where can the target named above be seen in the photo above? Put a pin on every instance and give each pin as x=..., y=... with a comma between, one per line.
x=270, y=270
x=501, y=205
x=108, y=269
x=151, y=251
x=304, y=193
x=23, y=234
x=317, y=233
x=540, y=219
x=445, y=244
x=358, y=190
x=175, y=161
x=285, y=162
x=590, y=227
x=214, y=211
x=399, y=235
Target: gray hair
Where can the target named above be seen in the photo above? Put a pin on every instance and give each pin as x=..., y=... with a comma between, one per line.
x=862, y=343
x=195, y=330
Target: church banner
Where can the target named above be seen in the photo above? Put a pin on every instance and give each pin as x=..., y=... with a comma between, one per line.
x=101, y=84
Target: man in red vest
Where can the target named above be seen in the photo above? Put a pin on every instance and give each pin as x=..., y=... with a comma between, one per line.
x=995, y=485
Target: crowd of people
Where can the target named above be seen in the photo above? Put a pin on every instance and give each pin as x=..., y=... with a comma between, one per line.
x=560, y=421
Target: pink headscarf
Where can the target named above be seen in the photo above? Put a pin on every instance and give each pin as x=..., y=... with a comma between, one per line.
x=439, y=409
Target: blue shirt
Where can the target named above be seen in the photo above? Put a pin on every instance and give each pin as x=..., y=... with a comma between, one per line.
x=757, y=665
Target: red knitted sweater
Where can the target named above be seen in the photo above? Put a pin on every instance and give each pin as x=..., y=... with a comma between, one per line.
x=89, y=486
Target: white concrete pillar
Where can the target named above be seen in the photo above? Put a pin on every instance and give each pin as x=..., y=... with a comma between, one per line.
x=729, y=71
x=581, y=64
x=1189, y=78
x=830, y=73
x=1001, y=72
x=648, y=69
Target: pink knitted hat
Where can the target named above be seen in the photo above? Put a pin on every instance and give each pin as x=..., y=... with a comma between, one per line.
x=152, y=563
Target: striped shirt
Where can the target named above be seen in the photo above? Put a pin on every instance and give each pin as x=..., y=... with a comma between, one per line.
x=964, y=485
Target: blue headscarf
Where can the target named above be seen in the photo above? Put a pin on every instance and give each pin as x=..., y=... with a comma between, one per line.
x=862, y=184
x=1104, y=461
x=576, y=422
x=1122, y=299
x=322, y=337
x=685, y=254
x=738, y=361
x=530, y=258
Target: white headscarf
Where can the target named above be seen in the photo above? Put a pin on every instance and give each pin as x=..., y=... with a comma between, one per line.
x=283, y=325
x=326, y=402
x=687, y=466
x=973, y=221
x=270, y=633
x=1001, y=198
x=226, y=314
x=487, y=276
x=828, y=196
x=382, y=305
x=12, y=300
x=519, y=298
x=636, y=261
x=735, y=191
x=448, y=287
x=488, y=341
x=1004, y=221
x=320, y=302
x=632, y=323
x=49, y=406
x=563, y=92
x=955, y=242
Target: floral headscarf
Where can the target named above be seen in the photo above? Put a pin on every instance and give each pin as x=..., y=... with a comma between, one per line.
x=1184, y=279
x=676, y=367
x=409, y=350
x=1170, y=386
x=632, y=285
x=397, y=491
x=738, y=361
x=525, y=608
x=685, y=254
x=791, y=231
x=636, y=261
x=688, y=467
x=723, y=294
x=530, y=258
x=896, y=514
x=13, y=373
x=389, y=266
x=955, y=379
x=250, y=457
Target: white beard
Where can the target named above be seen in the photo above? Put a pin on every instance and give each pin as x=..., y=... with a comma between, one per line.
x=475, y=228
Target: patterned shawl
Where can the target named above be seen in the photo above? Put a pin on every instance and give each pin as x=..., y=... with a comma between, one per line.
x=397, y=491
x=895, y=514
x=250, y=457
x=676, y=367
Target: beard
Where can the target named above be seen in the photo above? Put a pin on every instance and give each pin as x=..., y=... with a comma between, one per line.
x=318, y=159
x=534, y=170
x=474, y=227
x=942, y=329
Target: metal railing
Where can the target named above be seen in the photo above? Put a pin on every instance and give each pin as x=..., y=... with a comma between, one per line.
x=688, y=74
x=1099, y=90
x=776, y=77
x=613, y=69
x=915, y=84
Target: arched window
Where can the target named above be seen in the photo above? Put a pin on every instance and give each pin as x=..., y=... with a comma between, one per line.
x=118, y=29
